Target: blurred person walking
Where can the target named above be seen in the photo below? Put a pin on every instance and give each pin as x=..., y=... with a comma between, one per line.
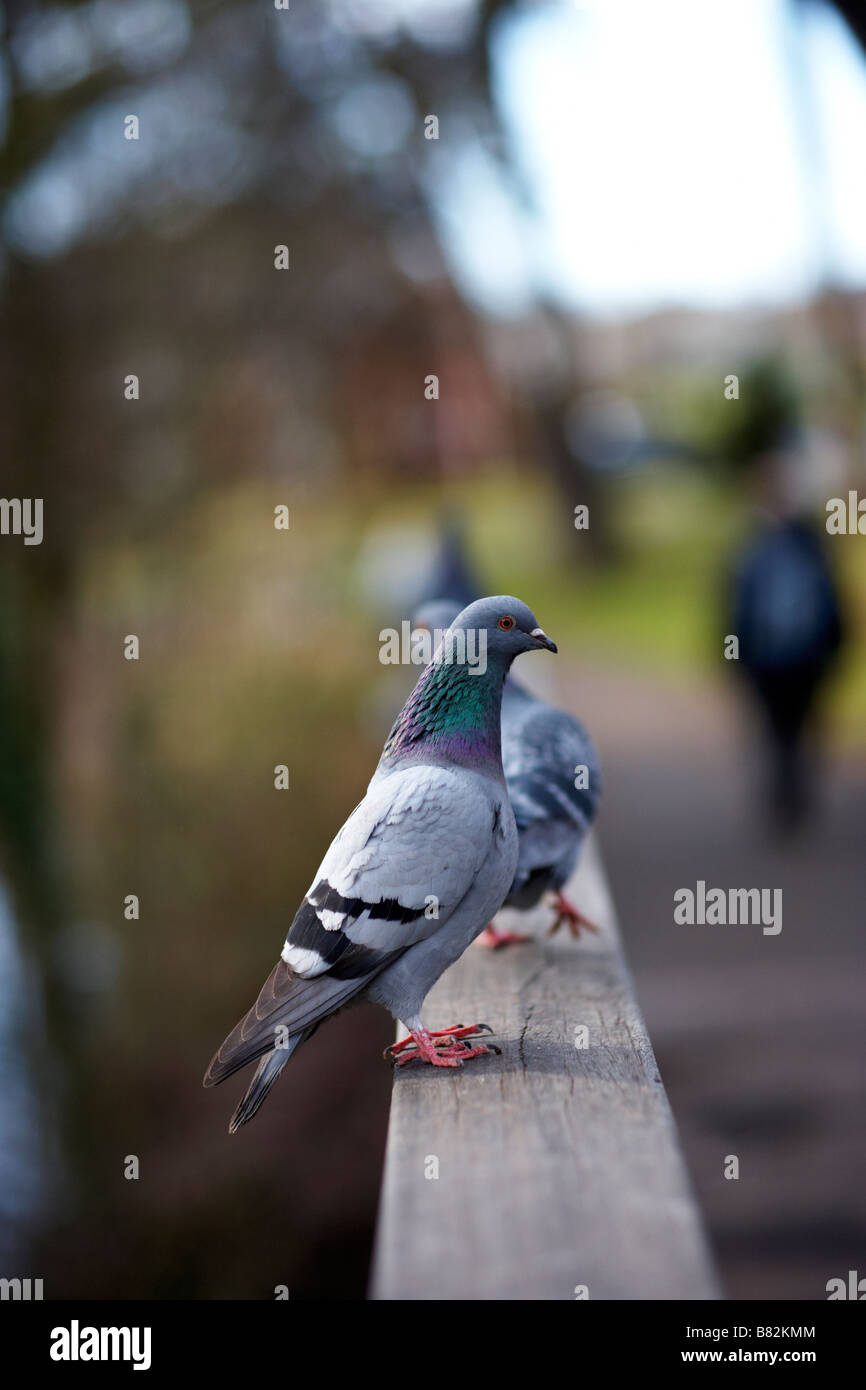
x=786, y=612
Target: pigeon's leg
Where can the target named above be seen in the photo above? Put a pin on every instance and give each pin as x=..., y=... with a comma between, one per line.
x=443, y=1048
x=493, y=938
x=567, y=912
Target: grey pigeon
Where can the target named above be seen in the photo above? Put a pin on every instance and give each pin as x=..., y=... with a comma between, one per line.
x=452, y=575
x=416, y=872
x=543, y=753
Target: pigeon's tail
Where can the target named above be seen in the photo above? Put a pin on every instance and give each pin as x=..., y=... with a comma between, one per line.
x=286, y=1013
x=287, y=1005
x=266, y=1074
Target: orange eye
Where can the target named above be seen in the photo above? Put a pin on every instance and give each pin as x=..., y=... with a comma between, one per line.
x=506, y=623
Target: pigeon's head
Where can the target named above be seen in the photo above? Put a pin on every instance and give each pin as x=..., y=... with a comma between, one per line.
x=510, y=626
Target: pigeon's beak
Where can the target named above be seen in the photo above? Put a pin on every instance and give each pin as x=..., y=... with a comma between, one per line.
x=542, y=639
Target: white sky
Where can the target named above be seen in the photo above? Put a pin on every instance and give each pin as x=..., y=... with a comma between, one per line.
x=678, y=151
x=696, y=152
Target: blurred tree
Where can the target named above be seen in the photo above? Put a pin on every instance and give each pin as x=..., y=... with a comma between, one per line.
x=766, y=417
x=258, y=128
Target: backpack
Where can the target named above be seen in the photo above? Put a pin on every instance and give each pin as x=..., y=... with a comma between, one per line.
x=786, y=608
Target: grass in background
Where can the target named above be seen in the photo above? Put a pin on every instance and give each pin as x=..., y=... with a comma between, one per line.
x=661, y=605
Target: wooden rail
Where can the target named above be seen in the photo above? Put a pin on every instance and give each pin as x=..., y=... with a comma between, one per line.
x=559, y=1169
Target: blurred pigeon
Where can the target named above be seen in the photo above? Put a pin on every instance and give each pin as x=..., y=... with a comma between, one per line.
x=452, y=575
x=416, y=872
x=554, y=782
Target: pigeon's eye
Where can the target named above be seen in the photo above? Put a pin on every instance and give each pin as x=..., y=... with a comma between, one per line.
x=506, y=623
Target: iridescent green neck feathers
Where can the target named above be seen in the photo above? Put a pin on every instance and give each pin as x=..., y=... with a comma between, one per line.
x=452, y=716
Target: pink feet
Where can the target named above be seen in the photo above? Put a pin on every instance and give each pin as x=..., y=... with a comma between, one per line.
x=567, y=912
x=443, y=1048
x=492, y=938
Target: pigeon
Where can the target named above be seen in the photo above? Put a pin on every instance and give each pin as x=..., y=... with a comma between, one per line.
x=452, y=575
x=554, y=782
x=416, y=872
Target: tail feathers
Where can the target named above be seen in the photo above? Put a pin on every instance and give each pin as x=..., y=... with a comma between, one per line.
x=287, y=1004
x=265, y=1075
x=289, y=1009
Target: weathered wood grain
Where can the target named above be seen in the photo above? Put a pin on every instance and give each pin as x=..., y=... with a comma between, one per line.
x=558, y=1166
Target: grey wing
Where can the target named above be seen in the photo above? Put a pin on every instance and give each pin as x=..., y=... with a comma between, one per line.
x=402, y=862
x=554, y=781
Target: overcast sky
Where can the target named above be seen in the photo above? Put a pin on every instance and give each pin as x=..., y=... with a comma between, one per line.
x=692, y=152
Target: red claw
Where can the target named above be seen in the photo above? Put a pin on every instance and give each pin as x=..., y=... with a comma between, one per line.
x=443, y=1048
x=567, y=912
x=492, y=938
